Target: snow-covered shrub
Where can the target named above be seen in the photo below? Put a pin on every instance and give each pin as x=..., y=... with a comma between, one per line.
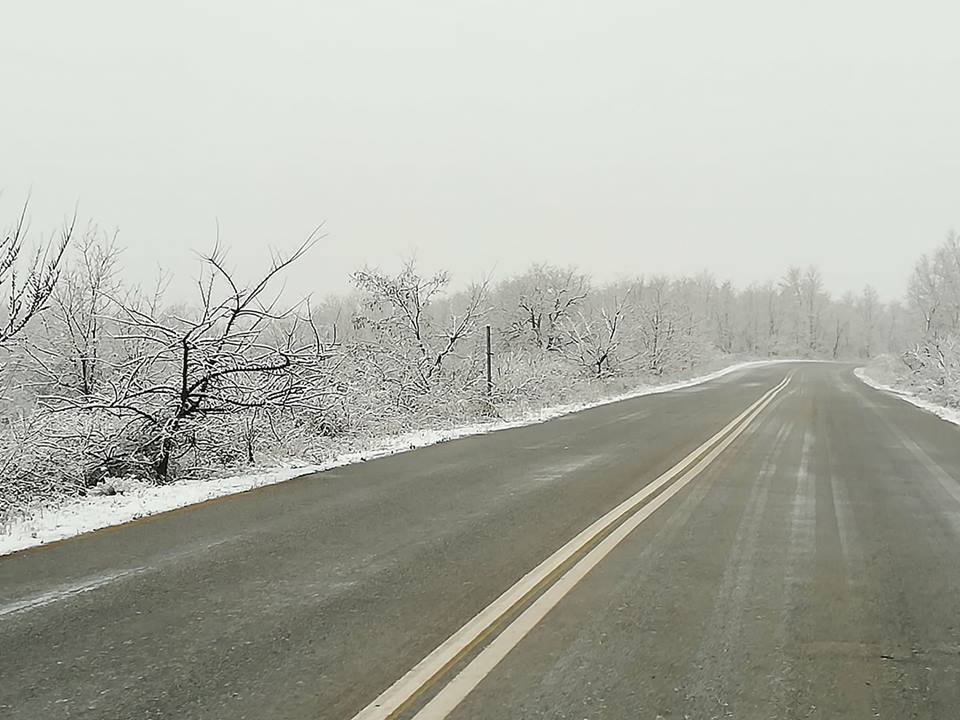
x=109, y=382
x=934, y=369
x=527, y=378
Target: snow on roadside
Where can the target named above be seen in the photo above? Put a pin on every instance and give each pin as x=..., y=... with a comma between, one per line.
x=949, y=414
x=137, y=499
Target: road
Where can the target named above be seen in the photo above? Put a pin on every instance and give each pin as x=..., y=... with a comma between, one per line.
x=782, y=542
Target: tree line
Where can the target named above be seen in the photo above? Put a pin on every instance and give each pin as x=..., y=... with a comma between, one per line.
x=104, y=379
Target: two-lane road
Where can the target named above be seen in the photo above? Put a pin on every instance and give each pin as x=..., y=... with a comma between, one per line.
x=779, y=543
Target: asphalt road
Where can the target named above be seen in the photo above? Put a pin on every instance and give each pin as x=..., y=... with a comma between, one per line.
x=802, y=562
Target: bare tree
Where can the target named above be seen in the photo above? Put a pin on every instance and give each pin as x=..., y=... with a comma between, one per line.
x=26, y=285
x=926, y=293
x=947, y=268
x=595, y=337
x=239, y=351
x=774, y=317
x=545, y=296
x=408, y=346
x=934, y=359
x=840, y=318
x=666, y=326
x=869, y=311
x=791, y=296
x=814, y=300
x=723, y=316
x=68, y=354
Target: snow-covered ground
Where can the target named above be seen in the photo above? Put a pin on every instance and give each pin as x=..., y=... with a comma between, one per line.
x=135, y=499
x=949, y=414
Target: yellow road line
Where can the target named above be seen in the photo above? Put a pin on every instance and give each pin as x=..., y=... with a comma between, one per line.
x=467, y=679
x=392, y=701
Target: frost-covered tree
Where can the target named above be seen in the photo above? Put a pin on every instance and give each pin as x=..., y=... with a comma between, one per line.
x=869, y=315
x=598, y=338
x=27, y=280
x=408, y=345
x=814, y=301
x=539, y=301
x=68, y=353
x=181, y=375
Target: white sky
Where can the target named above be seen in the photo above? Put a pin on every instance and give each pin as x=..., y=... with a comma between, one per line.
x=625, y=137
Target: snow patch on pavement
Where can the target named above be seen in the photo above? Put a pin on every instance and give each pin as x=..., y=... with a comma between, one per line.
x=949, y=414
x=137, y=498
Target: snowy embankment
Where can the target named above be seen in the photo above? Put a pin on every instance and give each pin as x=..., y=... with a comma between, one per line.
x=135, y=499
x=867, y=376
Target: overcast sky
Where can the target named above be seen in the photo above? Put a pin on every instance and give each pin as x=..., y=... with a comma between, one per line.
x=625, y=137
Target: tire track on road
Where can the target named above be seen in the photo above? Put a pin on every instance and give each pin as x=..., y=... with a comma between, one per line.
x=554, y=578
x=718, y=650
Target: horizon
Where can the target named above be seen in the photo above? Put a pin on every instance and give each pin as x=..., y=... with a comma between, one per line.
x=740, y=140
x=181, y=275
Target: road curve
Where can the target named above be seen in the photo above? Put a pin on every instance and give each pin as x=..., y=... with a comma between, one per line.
x=782, y=542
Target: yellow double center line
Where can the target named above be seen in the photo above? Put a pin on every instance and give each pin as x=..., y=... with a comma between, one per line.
x=548, y=583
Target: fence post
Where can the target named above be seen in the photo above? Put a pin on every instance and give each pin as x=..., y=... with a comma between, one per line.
x=489, y=365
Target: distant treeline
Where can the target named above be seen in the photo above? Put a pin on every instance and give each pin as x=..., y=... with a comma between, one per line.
x=107, y=380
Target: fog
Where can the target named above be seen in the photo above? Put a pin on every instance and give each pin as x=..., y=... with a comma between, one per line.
x=623, y=137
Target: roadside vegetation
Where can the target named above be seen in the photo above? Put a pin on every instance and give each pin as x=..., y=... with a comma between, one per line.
x=104, y=381
x=926, y=362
